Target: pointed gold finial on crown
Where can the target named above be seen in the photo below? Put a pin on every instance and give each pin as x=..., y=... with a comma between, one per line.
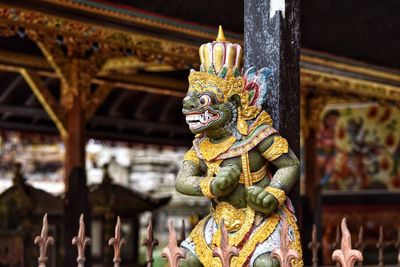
x=221, y=36
x=220, y=56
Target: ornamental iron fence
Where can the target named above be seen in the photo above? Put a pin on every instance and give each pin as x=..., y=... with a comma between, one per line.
x=345, y=255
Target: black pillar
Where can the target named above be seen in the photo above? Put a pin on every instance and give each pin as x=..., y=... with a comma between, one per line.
x=272, y=39
x=76, y=203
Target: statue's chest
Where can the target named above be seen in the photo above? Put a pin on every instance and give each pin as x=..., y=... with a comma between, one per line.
x=256, y=162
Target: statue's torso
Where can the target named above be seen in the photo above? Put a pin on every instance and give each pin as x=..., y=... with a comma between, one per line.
x=237, y=197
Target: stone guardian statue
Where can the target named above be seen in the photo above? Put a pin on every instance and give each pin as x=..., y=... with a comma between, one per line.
x=235, y=144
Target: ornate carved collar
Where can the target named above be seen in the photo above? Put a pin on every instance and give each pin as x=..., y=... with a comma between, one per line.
x=210, y=150
x=231, y=147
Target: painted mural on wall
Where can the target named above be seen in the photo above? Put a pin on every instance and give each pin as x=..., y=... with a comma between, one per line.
x=358, y=147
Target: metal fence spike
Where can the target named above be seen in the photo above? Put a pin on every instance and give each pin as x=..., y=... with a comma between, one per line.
x=359, y=245
x=225, y=252
x=381, y=245
x=314, y=245
x=335, y=244
x=398, y=259
x=346, y=256
x=81, y=241
x=397, y=245
x=150, y=242
x=43, y=241
x=182, y=233
x=172, y=252
x=117, y=242
x=284, y=253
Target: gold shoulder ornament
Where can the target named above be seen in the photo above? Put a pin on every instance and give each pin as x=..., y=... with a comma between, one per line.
x=210, y=151
x=191, y=155
x=278, y=148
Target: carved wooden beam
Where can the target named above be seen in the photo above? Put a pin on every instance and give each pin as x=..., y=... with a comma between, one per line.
x=47, y=100
x=144, y=20
x=9, y=57
x=158, y=90
x=41, y=27
x=310, y=59
x=8, y=89
x=75, y=70
x=343, y=84
x=56, y=58
x=134, y=83
x=97, y=98
x=114, y=68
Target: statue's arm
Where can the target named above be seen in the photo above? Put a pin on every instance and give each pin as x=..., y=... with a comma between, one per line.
x=276, y=150
x=189, y=176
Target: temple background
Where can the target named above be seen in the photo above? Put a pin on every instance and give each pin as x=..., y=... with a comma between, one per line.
x=135, y=57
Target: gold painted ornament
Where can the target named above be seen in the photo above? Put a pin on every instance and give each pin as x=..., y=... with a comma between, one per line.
x=241, y=123
x=279, y=194
x=205, y=186
x=210, y=150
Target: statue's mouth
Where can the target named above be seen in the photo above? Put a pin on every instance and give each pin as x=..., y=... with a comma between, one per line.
x=197, y=120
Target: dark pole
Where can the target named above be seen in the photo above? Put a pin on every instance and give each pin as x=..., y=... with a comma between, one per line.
x=272, y=39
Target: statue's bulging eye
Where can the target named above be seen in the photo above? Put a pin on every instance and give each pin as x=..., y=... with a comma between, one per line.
x=205, y=100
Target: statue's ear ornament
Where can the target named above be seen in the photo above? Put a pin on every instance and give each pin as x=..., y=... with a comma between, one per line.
x=257, y=85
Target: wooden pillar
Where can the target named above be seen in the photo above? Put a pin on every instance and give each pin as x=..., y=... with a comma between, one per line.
x=76, y=193
x=77, y=99
x=311, y=207
x=76, y=72
x=272, y=39
x=75, y=142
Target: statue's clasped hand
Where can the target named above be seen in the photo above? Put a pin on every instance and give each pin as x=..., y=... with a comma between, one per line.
x=260, y=200
x=226, y=180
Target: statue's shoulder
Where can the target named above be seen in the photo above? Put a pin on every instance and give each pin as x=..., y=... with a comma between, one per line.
x=258, y=130
x=191, y=155
x=247, y=143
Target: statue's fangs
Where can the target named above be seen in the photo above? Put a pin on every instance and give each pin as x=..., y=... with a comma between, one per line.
x=229, y=162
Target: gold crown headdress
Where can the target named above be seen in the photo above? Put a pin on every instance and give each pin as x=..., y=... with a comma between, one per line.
x=221, y=56
x=220, y=69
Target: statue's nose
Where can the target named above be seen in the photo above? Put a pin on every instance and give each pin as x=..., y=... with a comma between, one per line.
x=189, y=104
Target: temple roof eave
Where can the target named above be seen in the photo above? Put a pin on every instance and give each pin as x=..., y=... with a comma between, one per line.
x=121, y=199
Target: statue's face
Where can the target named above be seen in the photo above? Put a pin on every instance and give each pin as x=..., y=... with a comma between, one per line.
x=204, y=112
